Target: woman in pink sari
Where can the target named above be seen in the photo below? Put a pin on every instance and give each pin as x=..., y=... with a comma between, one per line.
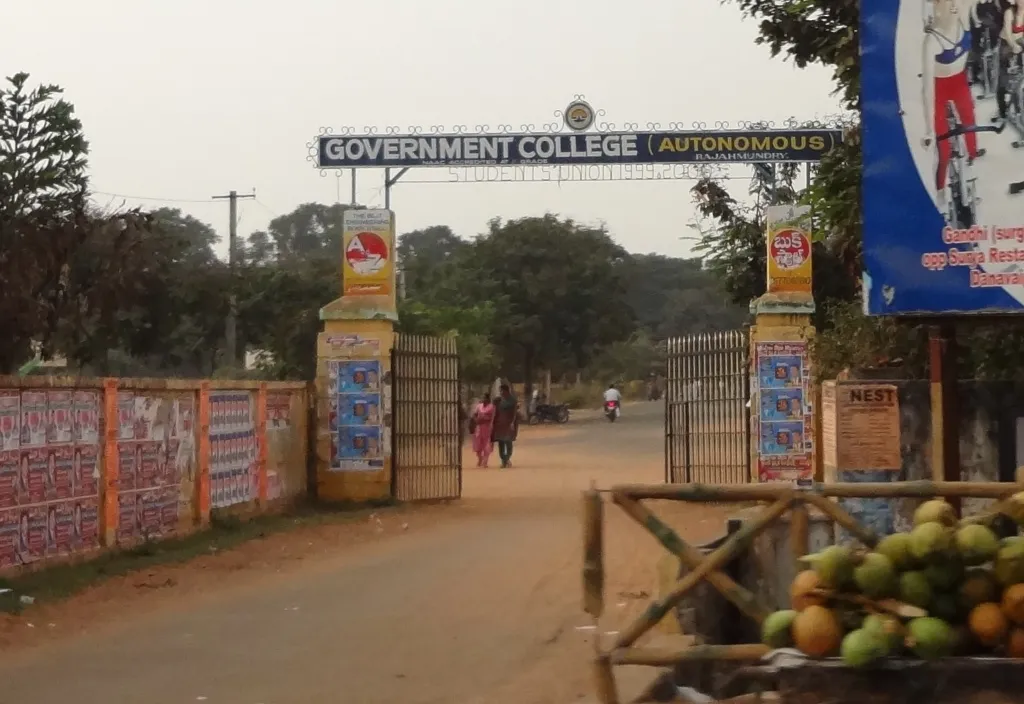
x=483, y=444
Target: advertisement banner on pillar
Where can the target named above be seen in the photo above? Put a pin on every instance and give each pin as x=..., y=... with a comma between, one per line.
x=789, y=249
x=368, y=258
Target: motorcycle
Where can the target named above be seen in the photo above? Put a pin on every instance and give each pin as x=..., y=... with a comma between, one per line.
x=611, y=410
x=550, y=413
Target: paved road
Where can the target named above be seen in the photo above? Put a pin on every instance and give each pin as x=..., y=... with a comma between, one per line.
x=474, y=602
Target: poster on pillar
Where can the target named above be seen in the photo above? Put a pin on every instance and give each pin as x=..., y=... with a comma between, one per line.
x=354, y=416
x=789, y=249
x=785, y=428
x=368, y=263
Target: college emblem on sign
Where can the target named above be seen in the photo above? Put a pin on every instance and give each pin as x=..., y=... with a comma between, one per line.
x=790, y=248
x=579, y=116
x=367, y=253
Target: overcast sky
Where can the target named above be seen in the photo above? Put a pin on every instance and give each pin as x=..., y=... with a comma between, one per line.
x=187, y=99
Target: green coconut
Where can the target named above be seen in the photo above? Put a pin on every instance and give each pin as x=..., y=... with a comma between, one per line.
x=850, y=617
x=1011, y=540
x=930, y=542
x=935, y=511
x=976, y=544
x=775, y=629
x=886, y=626
x=978, y=587
x=875, y=576
x=930, y=638
x=897, y=548
x=945, y=606
x=834, y=566
x=915, y=589
x=862, y=647
x=1008, y=566
x=944, y=575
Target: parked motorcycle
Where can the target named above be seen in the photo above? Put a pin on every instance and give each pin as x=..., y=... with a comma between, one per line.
x=549, y=413
x=611, y=410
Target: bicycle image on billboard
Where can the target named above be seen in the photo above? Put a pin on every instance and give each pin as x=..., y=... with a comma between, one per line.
x=943, y=125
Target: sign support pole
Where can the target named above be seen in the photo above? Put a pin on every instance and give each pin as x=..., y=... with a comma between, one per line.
x=945, y=416
x=389, y=182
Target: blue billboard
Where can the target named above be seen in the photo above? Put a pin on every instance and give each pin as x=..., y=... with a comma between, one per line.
x=684, y=147
x=943, y=212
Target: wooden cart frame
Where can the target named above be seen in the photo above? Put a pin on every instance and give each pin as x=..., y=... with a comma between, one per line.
x=781, y=499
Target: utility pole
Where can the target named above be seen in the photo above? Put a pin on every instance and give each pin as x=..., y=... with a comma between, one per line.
x=231, y=324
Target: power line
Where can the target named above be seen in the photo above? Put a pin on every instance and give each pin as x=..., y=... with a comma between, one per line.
x=155, y=200
x=260, y=203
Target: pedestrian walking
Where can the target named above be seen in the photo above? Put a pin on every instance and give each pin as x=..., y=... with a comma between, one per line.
x=483, y=429
x=506, y=424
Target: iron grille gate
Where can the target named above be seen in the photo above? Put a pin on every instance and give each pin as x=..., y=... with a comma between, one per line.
x=707, y=413
x=426, y=438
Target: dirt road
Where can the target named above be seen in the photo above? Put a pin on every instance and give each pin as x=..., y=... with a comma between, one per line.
x=477, y=601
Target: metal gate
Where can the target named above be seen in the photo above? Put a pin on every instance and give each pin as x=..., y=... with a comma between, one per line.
x=426, y=436
x=707, y=413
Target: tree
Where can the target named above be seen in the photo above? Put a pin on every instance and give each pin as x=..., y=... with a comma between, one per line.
x=670, y=297
x=472, y=325
x=827, y=34
x=559, y=287
x=733, y=234
x=426, y=258
x=279, y=312
x=61, y=263
x=173, y=322
x=813, y=32
x=311, y=230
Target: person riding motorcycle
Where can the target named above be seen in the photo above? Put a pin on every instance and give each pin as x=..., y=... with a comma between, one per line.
x=612, y=395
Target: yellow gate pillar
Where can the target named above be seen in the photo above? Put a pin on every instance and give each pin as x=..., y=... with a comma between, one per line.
x=353, y=370
x=782, y=407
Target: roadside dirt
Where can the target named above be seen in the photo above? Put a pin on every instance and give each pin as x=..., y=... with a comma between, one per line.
x=476, y=601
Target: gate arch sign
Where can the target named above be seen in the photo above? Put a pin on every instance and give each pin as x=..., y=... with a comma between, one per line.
x=576, y=138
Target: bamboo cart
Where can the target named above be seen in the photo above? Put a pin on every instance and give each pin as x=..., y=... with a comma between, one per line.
x=741, y=668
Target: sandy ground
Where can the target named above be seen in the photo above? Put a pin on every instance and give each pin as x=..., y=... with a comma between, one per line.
x=474, y=601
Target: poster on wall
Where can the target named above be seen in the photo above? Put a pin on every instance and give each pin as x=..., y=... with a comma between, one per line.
x=943, y=215
x=10, y=424
x=49, y=475
x=33, y=418
x=155, y=462
x=784, y=424
x=233, y=450
x=279, y=438
x=356, y=418
x=86, y=418
x=60, y=414
x=861, y=443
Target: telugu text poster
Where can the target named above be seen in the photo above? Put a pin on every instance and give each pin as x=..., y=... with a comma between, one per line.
x=9, y=461
x=125, y=415
x=129, y=458
x=86, y=470
x=86, y=523
x=60, y=409
x=10, y=420
x=32, y=476
x=8, y=537
x=64, y=479
x=87, y=417
x=33, y=418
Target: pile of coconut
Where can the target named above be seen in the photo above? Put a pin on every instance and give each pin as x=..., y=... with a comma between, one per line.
x=945, y=588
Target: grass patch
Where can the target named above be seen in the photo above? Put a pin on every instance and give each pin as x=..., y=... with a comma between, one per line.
x=225, y=532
